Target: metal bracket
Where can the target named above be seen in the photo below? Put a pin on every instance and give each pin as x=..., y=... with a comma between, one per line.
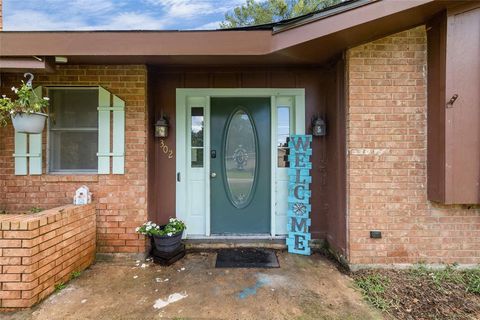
x=452, y=100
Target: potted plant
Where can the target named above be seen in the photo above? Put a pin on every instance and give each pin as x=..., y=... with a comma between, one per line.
x=168, y=237
x=27, y=111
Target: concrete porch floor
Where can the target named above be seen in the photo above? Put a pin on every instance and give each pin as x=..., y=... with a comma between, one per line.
x=302, y=288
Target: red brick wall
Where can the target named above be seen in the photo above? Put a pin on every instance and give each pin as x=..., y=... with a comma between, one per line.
x=386, y=143
x=41, y=250
x=120, y=199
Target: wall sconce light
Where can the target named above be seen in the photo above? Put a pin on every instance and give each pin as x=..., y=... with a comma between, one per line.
x=319, y=127
x=161, y=128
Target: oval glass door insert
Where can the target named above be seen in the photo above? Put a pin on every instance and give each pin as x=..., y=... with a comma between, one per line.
x=240, y=158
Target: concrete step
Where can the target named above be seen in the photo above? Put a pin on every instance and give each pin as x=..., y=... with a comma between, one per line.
x=216, y=244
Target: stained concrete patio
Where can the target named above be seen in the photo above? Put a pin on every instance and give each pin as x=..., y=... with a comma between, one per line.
x=303, y=288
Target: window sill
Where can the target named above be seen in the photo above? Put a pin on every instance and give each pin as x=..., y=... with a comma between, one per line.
x=70, y=177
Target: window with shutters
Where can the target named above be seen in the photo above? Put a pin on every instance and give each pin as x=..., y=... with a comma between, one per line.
x=73, y=129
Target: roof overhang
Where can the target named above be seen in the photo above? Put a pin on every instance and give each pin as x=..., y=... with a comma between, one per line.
x=24, y=64
x=311, y=41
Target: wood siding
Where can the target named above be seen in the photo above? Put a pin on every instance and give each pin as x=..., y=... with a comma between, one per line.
x=319, y=87
x=454, y=129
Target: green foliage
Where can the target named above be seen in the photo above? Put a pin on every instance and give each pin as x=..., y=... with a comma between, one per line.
x=173, y=227
x=3, y=212
x=373, y=288
x=75, y=274
x=472, y=279
x=439, y=277
x=36, y=210
x=60, y=286
x=26, y=102
x=255, y=13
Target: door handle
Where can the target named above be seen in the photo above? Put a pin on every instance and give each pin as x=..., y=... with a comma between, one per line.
x=213, y=174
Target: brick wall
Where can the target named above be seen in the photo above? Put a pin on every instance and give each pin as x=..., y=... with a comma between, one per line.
x=41, y=250
x=386, y=142
x=120, y=199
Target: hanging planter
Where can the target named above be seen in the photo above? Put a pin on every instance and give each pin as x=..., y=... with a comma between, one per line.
x=27, y=111
x=29, y=122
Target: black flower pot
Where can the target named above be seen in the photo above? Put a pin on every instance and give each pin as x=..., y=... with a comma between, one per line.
x=168, y=243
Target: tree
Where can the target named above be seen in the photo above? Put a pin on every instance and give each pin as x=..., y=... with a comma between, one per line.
x=254, y=13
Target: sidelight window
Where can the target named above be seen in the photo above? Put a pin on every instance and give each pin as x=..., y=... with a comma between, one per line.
x=197, y=136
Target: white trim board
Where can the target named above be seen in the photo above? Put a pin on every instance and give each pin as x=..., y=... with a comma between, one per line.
x=193, y=190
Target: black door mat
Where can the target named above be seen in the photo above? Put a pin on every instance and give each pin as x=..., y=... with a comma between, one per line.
x=246, y=258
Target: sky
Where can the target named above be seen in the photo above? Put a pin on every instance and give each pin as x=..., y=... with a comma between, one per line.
x=34, y=15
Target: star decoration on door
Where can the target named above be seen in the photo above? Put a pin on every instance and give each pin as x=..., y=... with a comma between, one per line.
x=299, y=209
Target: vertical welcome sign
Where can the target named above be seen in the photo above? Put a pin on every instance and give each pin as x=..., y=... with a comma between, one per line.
x=299, y=194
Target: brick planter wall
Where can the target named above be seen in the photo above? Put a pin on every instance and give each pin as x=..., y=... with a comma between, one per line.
x=120, y=199
x=41, y=250
x=387, y=165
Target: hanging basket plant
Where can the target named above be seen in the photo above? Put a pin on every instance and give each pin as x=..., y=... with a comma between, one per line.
x=27, y=111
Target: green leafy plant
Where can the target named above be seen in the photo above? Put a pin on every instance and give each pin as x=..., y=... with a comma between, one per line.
x=472, y=278
x=75, y=274
x=27, y=101
x=36, y=210
x=373, y=288
x=439, y=277
x=60, y=286
x=254, y=12
x=173, y=227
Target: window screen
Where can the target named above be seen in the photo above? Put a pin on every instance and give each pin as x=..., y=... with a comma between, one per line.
x=73, y=129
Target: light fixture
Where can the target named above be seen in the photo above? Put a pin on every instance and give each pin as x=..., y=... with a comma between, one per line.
x=161, y=128
x=319, y=127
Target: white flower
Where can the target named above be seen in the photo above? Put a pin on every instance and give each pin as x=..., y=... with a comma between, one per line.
x=169, y=234
x=172, y=219
x=4, y=96
x=13, y=88
x=137, y=229
x=46, y=98
x=148, y=228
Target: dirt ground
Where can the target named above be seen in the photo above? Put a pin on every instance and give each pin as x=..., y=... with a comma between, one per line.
x=423, y=293
x=303, y=288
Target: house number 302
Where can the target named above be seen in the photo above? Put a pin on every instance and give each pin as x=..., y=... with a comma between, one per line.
x=166, y=149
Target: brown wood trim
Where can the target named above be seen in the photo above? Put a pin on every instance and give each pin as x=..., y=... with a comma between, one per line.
x=22, y=64
x=311, y=43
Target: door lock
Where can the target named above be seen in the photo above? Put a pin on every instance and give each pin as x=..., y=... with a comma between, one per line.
x=213, y=174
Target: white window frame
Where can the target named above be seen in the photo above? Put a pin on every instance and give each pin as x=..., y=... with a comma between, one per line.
x=183, y=126
x=48, y=145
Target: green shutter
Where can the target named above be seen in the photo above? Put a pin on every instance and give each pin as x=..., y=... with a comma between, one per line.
x=28, y=150
x=118, y=161
x=20, y=154
x=35, y=145
x=103, y=131
x=35, y=153
x=118, y=133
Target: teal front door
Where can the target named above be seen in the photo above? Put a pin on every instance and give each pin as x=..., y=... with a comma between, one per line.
x=240, y=166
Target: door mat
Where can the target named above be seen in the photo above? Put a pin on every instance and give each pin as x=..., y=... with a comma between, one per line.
x=246, y=258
